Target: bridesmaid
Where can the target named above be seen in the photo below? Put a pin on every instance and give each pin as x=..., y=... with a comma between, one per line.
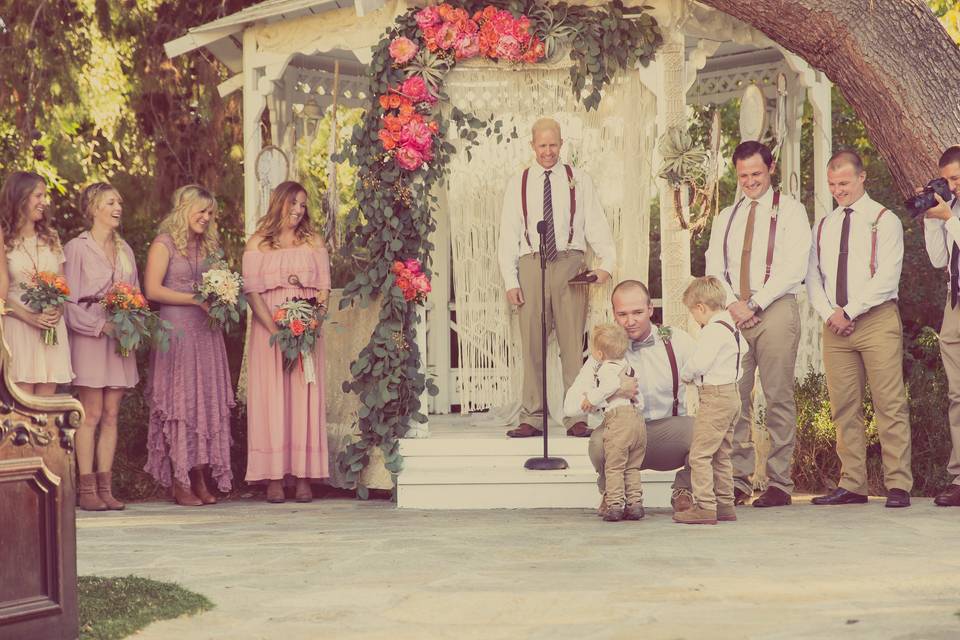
x=189, y=387
x=286, y=421
x=96, y=259
x=31, y=245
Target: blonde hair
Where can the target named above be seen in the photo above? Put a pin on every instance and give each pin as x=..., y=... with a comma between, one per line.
x=707, y=291
x=271, y=224
x=16, y=190
x=177, y=223
x=610, y=339
x=545, y=124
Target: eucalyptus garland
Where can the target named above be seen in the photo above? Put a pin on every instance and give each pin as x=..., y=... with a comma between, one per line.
x=402, y=154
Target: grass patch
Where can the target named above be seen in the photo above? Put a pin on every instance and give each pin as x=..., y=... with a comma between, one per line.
x=114, y=608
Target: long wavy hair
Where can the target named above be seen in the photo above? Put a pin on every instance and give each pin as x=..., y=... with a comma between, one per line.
x=273, y=221
x=92, y=197
x=177, y=223
x=13, y=201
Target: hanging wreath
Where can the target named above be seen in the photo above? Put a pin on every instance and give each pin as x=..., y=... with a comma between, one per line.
x=401, y=154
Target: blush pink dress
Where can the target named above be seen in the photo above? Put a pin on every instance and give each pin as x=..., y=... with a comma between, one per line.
x=90, y=274
x=286, y=417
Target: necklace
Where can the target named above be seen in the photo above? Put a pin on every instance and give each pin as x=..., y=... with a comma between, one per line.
x=34, y=261
x=111, y=261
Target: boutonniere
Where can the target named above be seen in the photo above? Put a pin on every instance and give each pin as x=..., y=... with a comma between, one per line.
x=572, y=183
x=664, y=332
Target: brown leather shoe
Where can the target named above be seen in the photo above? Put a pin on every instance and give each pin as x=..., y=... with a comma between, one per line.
x=696, y=515
x=613, y=514
x=773, y=497
x=104, y=490
x=681, y=500
x=633, y=512
x=198, y=484
x=87, y=498
x=949, y=497
x=579, y=430
x=602, y=509
x=740, y=496
x=275, y=493
x=524, y=431
x=183, y=495
x=726, y=513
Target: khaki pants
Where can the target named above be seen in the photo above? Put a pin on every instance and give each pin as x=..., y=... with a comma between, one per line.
x=872, y=354
x=566, y=312
x=950, y=354
x=710, y=467
x=624, y=443
x=668, y=445
x=773, y=351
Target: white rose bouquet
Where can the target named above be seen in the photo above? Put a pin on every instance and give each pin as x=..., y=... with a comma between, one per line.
x=222, y=290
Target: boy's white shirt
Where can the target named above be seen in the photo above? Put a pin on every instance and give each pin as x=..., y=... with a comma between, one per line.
x=715, y=357
x=606, y=377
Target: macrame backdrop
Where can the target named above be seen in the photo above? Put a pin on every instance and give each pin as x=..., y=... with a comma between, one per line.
x=614, y=144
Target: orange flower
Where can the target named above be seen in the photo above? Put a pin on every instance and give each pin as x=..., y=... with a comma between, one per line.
x=297, y=327
x=394, y=100
x=314, y=324
x=384, y=102
x=279, y=315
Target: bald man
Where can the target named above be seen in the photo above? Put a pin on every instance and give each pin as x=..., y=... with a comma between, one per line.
x=564, y=197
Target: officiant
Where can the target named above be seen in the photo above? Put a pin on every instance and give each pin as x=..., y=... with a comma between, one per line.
x=565, y=198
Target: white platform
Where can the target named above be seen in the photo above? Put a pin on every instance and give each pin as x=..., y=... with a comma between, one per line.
x=465, y=464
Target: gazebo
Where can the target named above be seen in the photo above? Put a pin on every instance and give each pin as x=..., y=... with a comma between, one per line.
x=292, y=58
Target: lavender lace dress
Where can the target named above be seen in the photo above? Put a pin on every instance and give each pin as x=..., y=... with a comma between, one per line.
x=188, y=387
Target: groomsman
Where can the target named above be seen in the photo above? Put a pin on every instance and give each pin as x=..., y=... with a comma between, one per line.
x=942, y=233
x=759, y=249
x=853, y=281
x=564, y=197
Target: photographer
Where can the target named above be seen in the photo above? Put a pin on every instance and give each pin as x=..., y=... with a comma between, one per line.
x=941, y=228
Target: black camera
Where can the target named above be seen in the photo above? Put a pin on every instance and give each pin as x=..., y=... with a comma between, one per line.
x=924, y=200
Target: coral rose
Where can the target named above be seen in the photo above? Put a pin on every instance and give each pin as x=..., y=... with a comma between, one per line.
x=403, y=49
x=409, y=158
x=297, y=327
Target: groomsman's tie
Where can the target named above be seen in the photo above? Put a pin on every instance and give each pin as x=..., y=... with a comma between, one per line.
x=745, y=291
x=549, y=236
x=842, y=259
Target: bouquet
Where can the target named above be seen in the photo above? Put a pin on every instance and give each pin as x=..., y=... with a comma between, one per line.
x=299, y=320
x=221, y=289
x=410, y=279
x=134, y=323
x=46, y=290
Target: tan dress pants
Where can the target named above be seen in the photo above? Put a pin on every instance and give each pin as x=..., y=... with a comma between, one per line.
x=773, y=351
x=624, y=443
x=950, y=354
x=710, y=469
x=668, y=445
x=566, y=312
x=872, y=354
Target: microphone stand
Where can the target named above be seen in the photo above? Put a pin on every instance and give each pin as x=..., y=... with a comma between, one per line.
x=546, y=463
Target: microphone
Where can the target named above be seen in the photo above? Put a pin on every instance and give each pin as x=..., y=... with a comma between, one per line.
x=542, y=227
x=542, y=230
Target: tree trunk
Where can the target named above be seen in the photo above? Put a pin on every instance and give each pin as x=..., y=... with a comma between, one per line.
x=893, y=61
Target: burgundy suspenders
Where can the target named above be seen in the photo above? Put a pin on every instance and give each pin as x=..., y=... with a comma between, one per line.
x=523, y=203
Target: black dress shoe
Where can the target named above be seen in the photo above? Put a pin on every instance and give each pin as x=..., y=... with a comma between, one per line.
x=840, y=496
x=773, y=497
x=740, y=496
x=949, y=497
x=897, y=498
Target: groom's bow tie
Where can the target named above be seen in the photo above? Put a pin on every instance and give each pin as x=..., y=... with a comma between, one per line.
x=649, y=341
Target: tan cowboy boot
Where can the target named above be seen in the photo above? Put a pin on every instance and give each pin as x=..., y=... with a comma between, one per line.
x=104, y=490
x=198, y=483
x=88, y=500
x=184, y=496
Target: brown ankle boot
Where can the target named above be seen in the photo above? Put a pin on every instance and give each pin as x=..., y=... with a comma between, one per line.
x=198, y=483
x=105, y=491
x=304, y=490
x=88, y=500
x=184, y=496
x=275, y=491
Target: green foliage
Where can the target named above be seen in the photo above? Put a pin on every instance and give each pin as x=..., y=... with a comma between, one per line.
x=393, y=218
x=114, y=608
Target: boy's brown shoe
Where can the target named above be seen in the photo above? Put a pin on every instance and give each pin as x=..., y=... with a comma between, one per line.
x=726, y=513
x=613, y=514
x=696, y=515
x=602, y=509
x=633, y=512
x=681, y=500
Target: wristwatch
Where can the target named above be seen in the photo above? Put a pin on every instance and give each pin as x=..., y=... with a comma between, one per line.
x=752, y=305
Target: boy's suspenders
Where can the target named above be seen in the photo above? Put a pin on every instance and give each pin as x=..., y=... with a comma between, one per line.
x=736, y=336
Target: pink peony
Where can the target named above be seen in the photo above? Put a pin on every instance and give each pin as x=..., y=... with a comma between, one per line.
x=402, y=50
x=421, y=283
x=412, y=265
x=446, y=35
x=467, y=46
x=409, y=158
x=508, y=48
x=416, y=90
x=416, y=134
x=427, y=17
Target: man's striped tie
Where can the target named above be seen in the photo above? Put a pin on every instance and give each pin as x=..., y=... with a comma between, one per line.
x=549, y=236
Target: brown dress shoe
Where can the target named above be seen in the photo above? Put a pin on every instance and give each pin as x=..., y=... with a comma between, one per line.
x=681, y=500
x=949, y=497
x=740, y=496
x=773, y=497
x=726, y=513
x=579, y=430
x=184, y=496
x=524, y=431
x=696, y=515
x=87, y=498
x=198, y=484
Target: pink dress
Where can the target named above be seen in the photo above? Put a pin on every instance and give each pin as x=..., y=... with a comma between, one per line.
x=90, y=275
x=286, y=417
x=33, y=361
x=189, y=386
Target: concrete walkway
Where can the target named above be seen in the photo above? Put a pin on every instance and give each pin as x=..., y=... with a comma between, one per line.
x=347, y=569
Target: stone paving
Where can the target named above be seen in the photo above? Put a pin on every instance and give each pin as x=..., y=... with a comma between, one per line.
x=345, y=569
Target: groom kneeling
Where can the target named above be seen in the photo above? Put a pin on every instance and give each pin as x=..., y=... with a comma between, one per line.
x=656, y=354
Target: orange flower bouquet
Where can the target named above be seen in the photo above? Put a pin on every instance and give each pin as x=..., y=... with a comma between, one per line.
x=46, y=290
x=134, y=323
x=299, y=321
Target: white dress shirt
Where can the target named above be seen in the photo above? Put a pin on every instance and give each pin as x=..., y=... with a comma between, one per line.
x=939, y=236
x=606, y=380
x=589, y=225
x=790, y=255
x=651, y=365
x=863, y=292
x=718, y=358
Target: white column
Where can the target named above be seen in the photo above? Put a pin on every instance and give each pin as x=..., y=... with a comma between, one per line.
x=422, y=429
x=790, y=170
x=438, y=333
x=819, y=95
x=253, y=105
